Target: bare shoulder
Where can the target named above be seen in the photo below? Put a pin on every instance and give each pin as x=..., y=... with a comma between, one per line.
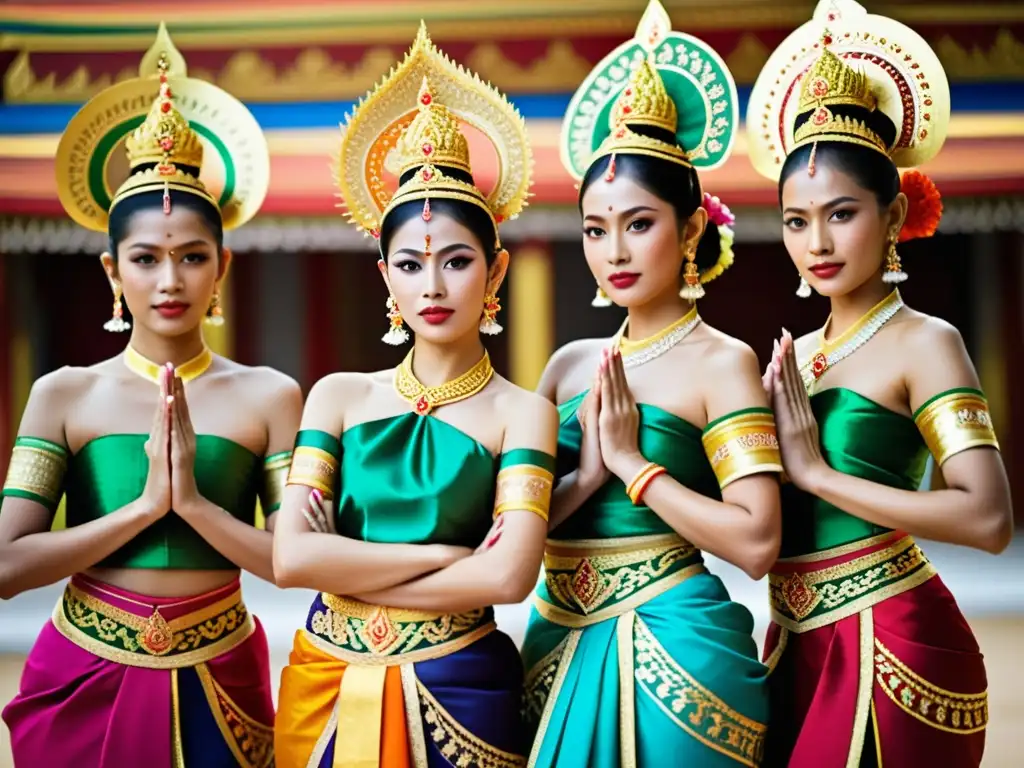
x=344, y=387
x=934, y=356
x=519, y=403
x=531, y=420
x=918, y=328
x=723, y=353
x=65, y=385
x=268, y=383
x=572, y=354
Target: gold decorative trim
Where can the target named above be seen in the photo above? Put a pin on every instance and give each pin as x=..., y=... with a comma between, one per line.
x=565, y=618
x=251, y=742
x=955, y=422
x=569, y=644
x=425, y=399
x=142, y=366
x=275, y=477
x=36, y=470
x=414, y=716
x=540, y=679
x=177, y=748
x=864, y=689
x=577, y=548
x=324, y=739
x=314, y=468
x=967, y=712
x=526, y=488
x=458, y=745
x=743, y=445
x=865, y=581
x=190, y=639
x=691, y=706
x=843, y=549
x=627, y=689
x=780, y=647
x=396, y=659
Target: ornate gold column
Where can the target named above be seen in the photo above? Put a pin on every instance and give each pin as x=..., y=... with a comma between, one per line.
x=531, y=315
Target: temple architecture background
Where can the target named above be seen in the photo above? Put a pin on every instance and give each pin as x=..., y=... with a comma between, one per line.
x=304, y=295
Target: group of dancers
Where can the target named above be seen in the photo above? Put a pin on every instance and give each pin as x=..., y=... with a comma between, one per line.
x=413, y=500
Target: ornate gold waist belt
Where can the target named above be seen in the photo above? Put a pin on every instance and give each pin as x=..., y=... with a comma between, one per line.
x=361, y=634
x=592, y=580
x=125, y=636
x=817, y=590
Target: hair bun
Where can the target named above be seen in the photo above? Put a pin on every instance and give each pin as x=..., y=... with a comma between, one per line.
x=924, y=206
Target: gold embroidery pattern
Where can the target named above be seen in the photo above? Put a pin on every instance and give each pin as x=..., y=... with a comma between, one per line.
x=458, y=746
x=954, y=422
x=153, y=642
x=948, y=711
x=524, y=487
x=314, y=468
x=540, y=679
x=743, y=445
x=388, y=632
x=591, y=580
x=691, y=706
x=816, y=595
x=36, y=469
x=251, y=742
x=275, y=475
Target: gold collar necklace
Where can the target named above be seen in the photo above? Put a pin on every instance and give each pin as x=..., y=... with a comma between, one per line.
x=849, y=341
x=424, y=399
x=642, y=351
x=187, y=371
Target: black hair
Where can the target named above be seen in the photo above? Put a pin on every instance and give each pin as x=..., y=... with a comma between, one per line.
x=121, y=215
x=471, y=216
x=676, y=184
x=869, y=168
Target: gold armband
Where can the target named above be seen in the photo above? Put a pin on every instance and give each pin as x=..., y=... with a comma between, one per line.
x=315, y=461
x=275, y=475
x=741, y=444
x=37, y=471
x=525, y=481
x=954, y=421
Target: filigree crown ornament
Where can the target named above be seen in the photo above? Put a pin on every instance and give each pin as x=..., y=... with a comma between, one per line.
x=833, y=82
x=644, y=101
x=412, y=121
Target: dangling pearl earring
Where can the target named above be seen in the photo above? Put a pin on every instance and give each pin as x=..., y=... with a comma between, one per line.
x=117, y=323
x=488, y=324
x=215, y=314
x=804, y=290
x=396, y=335
x=893, y=268
x=600, y=298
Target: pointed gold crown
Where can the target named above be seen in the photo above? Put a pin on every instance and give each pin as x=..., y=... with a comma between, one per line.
x=831, y=82
x=163, y=142
x=433, y=137
x=645, y=101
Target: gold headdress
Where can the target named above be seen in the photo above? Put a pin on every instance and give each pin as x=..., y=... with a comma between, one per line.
x=161, y=116
x=842, y=77
x=412, y=122
x=660, y=79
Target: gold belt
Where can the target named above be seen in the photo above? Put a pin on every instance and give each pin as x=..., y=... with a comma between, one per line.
x=362, y=634
x=117, y=635
x=591, y=580
x=812, y=592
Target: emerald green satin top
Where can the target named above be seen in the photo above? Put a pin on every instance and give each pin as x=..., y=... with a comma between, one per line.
x=411, y=479
x=665, y=439
x=858, y=437
x=110, y=471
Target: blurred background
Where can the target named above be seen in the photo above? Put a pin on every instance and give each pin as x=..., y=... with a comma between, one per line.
x=304, y=295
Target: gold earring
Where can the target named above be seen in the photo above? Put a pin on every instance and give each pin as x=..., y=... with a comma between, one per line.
x=893, y=268
x=488, y=324
x=601, y=298
x=804, y=289
x=117, y=323
x=396, y=335
x=215, y=313
x=692, y=289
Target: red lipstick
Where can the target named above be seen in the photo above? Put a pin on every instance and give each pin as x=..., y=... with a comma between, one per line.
x=436, y=315
x=172, y=309
x=622, y=280
x=826, y=270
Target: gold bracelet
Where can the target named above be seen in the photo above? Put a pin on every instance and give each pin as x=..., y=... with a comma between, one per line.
x=637, y=486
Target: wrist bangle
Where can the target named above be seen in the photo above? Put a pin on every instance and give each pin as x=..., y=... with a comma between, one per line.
x=637, y=486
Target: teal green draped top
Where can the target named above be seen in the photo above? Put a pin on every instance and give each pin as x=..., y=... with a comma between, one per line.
x=411, y=479
x=110, y=472
x=858, y=437
x=665, y=439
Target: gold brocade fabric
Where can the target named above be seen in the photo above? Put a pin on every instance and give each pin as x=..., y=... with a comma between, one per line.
x=742, y=444
x=315, y=468
x=524, y=487
x=36, y=471
x=275, y=475
x=955, y=421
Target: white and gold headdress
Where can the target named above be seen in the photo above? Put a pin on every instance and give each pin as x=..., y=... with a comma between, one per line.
x=412, y=121
x=163, y=116
x=829, y=80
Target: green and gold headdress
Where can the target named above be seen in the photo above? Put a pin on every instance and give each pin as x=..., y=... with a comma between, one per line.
x=830, y=80
x=164, y=118
x=413, y=120
x=662, y=79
